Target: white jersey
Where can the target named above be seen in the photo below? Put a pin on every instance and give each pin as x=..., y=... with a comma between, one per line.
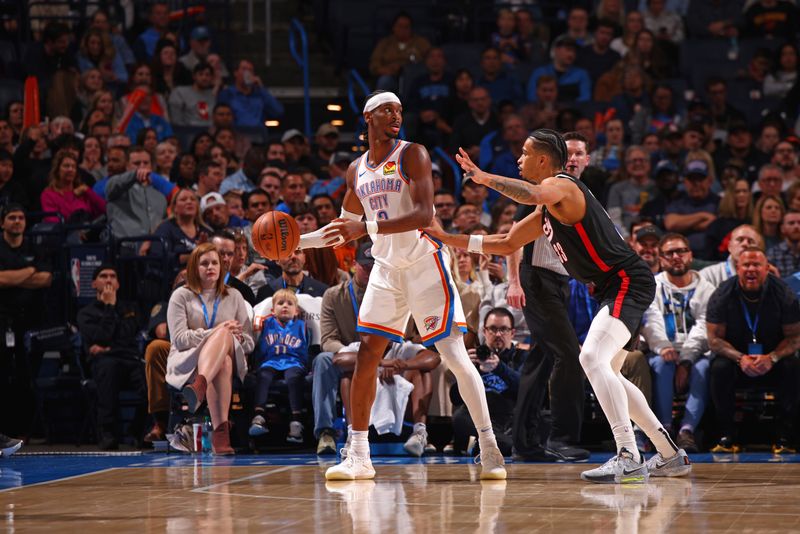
x=384, y=194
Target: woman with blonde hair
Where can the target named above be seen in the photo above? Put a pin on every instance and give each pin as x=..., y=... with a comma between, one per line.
x=97, y=52
x=211, y=333
x=767, y=217
x=183, y=231
x=735, y=208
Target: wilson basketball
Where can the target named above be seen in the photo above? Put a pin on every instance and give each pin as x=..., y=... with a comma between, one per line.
x=275, y=235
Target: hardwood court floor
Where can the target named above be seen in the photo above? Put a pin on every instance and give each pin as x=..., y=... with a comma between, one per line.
x=417, y=499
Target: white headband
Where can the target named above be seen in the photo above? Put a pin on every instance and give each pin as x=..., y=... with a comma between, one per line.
x=381, y=98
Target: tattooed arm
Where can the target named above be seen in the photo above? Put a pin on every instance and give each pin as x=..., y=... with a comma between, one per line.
x=516, y=189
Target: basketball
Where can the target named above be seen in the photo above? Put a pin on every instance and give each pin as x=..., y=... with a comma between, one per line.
x=275, y=235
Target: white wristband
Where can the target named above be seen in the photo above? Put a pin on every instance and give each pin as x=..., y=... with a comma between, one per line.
x=475, y=243
x=372, y=227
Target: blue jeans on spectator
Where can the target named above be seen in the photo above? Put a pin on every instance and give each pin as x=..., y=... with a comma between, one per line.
x=663, y=388
x=664, y=391
x=325, y=386
x=698, y=394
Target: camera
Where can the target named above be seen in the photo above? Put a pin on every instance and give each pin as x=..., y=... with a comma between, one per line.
x=483, y=352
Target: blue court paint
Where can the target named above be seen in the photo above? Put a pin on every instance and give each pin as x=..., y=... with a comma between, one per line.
x=22, y=470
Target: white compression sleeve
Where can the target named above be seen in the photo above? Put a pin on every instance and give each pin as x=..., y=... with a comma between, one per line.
x=470, y=385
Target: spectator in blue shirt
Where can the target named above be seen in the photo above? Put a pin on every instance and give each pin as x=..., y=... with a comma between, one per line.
x=573, y=82
x=693, y=211
x=250, y=101
x=143, y=118
x=145, y=45
x=499, y=81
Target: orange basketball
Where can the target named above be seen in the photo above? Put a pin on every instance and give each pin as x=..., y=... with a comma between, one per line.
x=275, y=235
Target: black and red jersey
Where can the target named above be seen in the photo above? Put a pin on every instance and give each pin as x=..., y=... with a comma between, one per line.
x=592, y=249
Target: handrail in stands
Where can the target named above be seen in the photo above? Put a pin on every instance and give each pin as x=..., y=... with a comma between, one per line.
x=356, y=82
x=354, y=78
x=301, y=58
x=453, y=165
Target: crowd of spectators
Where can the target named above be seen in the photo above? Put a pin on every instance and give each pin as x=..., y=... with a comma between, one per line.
x=707, y=195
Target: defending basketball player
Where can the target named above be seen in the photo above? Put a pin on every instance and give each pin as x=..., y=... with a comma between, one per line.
x=391, y=185
x=591, y=250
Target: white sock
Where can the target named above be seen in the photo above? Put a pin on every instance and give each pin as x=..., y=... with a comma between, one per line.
x=624, y=437
x=486, y=438
x=600, y=353
x=470, y=386
x=420, y=427
x=359, y=445
x=641, y=413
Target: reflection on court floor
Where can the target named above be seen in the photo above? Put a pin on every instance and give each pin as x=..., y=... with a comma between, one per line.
x=154, y=493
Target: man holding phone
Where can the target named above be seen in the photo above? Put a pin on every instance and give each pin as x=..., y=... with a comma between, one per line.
x=753, y=322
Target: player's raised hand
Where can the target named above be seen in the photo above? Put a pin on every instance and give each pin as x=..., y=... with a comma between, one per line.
x=341, y=231
x=471, y=170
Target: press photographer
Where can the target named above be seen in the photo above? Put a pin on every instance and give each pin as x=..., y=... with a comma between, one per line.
x=498, y=362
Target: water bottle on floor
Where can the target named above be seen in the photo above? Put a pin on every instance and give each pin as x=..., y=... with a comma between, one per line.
x=207, y=430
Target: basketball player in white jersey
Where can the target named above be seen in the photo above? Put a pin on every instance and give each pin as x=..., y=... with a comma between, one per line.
x=391, y=185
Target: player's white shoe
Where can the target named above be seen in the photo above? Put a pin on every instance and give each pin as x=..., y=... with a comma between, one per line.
x=493, y=465
x=676, y=466
x=354, y=467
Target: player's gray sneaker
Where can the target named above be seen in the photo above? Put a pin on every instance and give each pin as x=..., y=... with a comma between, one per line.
x=416, y=443
x=620, y=469
x=676, y=466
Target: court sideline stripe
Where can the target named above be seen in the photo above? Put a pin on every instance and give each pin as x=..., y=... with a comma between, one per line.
x=42, y=483
x=205, y=489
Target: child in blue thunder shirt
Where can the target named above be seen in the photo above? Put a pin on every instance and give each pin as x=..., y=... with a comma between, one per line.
x=282, y=347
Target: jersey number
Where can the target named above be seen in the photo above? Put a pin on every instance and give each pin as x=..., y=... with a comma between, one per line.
x=560, y=252
x=382, y=215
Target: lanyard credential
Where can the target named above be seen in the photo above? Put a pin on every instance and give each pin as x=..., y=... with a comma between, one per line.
x=205, y=312
x=752, y=324
x=353, y=299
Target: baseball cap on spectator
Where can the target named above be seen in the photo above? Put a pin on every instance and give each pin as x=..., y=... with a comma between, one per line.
x=737, y=126
x=435, y=169
x=291, y=134
x=340, y=157
x=105, y=266
x=200, y=33
x=9, y=208
x=565, y=40
x=327, y=128
x=210, y=200
x=364, y=254
x=696, y=169
x=665, y=165
x=648, y=231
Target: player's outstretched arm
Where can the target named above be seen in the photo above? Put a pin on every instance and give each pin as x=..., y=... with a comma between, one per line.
x=516, y=189
x=522, y=233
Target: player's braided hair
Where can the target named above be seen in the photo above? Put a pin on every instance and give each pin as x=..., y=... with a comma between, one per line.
x=552, y=143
